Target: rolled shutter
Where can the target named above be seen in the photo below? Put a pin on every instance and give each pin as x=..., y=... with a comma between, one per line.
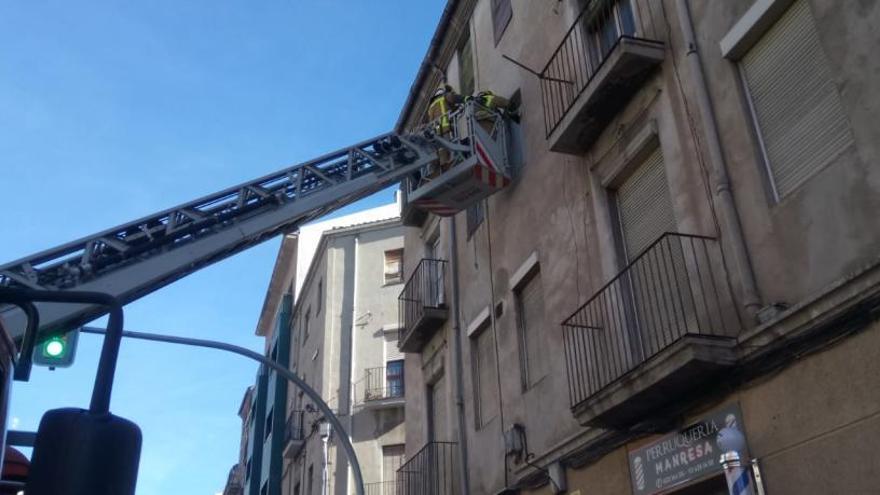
x=796, y=104
x=392, y=353
x=645, y=206
x=531, y=306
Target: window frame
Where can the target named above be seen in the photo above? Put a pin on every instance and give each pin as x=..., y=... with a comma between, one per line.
x=525, y=369
x=480, y=421
x=269, y=421
x=474, y=217
x=398, y=379
x=467, y=42
x=306, y=317
x=392, y=278
x=503, y=7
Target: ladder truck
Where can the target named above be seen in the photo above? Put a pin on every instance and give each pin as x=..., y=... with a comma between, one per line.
x=132, y=260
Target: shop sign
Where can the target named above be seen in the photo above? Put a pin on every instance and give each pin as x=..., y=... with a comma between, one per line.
x=683, y=456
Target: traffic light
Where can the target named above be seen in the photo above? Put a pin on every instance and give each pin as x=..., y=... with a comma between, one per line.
x=57, y=351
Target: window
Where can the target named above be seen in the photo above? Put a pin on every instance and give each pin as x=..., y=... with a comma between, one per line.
x=311, y=479
x=475, y=215
x=394, y=266
x=319, y=299
x=394, y=378
x=644, y=206
x=306, y=321
x=437, y=411
x=609, y=21
x=796, y=107
x=484, y=371
x=530, y=313
x=247, y=472
x=296, y=489
x=502, y=13
x=392, y=460
x=269, y=420
x=265, y=489
x=274, y=354
x=466, y=68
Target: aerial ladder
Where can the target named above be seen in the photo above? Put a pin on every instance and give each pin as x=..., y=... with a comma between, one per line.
x=134, y=259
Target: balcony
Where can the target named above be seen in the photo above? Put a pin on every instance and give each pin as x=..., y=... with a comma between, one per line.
x=433, y=470
x=294, y=434
x=595, y=71
x=422, y=305
x=657, y=332
x=383, y=387
x=383, y=488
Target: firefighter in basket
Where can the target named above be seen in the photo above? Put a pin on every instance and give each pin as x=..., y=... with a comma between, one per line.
x=443, y=103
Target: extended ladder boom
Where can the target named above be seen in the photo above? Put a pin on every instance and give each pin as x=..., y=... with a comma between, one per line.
x=134, y=259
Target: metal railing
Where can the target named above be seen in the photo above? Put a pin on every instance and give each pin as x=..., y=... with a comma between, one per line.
x=674, y=288
x=585, y=47
x=378, y=385
x=425, y=289
x=294, y=431
x=432, y=471
x=384, y=488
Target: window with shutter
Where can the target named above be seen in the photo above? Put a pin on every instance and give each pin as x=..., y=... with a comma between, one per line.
x=796, y=106
x=645, y=205
x=530, y=308
x=475, y=215
x=484, y=378
x=393, y=266
x=466, y=68
x=502, y=13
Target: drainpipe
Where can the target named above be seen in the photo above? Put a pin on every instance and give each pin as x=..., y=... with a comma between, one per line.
x=722, y=194
x=458, y=367
x=325, y=475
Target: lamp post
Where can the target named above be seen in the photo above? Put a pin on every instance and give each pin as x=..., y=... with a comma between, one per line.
x=281, y=370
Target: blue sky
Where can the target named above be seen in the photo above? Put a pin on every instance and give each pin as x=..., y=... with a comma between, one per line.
x=113, y=110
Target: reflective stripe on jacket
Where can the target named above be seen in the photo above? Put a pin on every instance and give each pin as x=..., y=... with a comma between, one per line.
x=438, y=112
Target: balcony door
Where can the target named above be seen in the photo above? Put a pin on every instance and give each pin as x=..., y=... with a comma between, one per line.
x=605, y=22
x=644, y=207
x=434, y=296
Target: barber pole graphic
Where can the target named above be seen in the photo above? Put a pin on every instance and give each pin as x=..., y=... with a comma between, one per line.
x=639, y=468
x=733, y=442
x=738, y=480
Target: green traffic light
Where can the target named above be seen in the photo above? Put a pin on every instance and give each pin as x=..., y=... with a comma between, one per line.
x=57, y=351
x=55, y=347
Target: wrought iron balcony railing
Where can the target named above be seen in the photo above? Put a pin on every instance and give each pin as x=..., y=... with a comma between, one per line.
x=422, y=304
x=432, y=471
x=598, y=29
x=676, y=288
x=384, y=488
x=384, y=383
x=294, y=431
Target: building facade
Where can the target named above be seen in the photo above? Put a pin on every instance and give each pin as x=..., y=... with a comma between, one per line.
x=345, y=347
x=689, y=246
x=339, y=334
